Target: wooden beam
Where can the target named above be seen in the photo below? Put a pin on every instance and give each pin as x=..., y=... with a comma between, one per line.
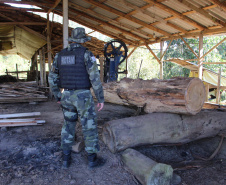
x=131, y=52
x=176, y=14
x=200, y=65
x=201, y=11
x=161, y=62
x=220, y=4
x=214, y=63
x=49, y=43
x=110, y=21
x=166, y=50
x=109, y=25
x=54, y=6
x=133, y=19
x=23, y=23
x=213, y=48
x=189, y=47
x=153, y=53
x=19, y=115
x=218, y=87
x=65, y=23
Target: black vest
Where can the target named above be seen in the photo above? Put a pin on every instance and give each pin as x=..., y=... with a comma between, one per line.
x=72, y=69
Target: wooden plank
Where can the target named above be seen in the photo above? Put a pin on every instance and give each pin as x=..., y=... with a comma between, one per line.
x=220, y=4
x=23, y=23
x=18, y=124
x=153, y=53
x=15, y=121
x=54, y=6
x=218, y=87
x=17, y=115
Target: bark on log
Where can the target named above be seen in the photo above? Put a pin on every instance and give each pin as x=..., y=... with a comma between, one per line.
x=147, y=171
x=176, y=95
x=161, y=128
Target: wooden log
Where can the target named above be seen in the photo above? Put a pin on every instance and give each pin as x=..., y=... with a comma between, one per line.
x=161, y=128
x=176, y=95
x=147, y=171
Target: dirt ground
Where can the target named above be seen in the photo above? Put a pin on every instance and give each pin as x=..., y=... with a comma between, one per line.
x=32, y=155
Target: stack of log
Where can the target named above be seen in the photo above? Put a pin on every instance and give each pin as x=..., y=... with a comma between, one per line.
x=21, y=92
x=11, y=120
x=173, y=116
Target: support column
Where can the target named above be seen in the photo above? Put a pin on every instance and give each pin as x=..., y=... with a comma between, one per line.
x=41, y=67
x=101, y=59
x=218, y=97
x=161, y=61
x=200, y=55
x=49, y=43
x=65, y=23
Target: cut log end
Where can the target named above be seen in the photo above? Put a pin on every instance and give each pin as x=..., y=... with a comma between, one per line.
x=195, y=96
x=160, y=174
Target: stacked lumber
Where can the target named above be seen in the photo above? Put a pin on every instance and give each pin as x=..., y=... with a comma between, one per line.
x=7, y=121
x=21, y=92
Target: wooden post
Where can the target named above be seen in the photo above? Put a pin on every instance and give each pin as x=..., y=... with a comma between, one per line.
x=49, y=43
x=65, y=23
x=207, y=87
x=44, y=66
x=101, y=68
x=161, y=61
x=17, y=75
x=200, y=55
x=41, y=67
x=6, y=71
x=218, y=97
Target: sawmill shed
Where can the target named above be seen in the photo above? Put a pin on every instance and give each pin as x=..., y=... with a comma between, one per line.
x=30, y=32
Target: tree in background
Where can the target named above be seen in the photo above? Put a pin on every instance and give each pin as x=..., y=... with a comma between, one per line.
x=9, y=62
x=178, y=49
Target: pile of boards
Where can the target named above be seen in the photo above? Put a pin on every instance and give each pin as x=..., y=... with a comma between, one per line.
x=16, y=92
x=20, y=119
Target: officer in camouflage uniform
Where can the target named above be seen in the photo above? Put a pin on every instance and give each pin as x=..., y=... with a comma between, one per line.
x=75, y=69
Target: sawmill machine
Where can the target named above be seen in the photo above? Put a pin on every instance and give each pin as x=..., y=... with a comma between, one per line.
x=115, y=53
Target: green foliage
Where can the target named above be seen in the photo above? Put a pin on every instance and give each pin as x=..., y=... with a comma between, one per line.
x=9, y=62
x=149, y=68
x=178, y=49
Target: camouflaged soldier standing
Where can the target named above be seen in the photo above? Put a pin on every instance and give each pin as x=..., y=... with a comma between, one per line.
x=75, y=69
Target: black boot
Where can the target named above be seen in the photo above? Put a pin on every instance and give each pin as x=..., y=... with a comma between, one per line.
x=94, y=161
x=66, y=159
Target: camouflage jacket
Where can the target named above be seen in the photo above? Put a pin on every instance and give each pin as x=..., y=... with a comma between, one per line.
x=92, y=69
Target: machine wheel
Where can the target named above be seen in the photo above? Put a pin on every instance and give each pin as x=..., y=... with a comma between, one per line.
x=116, y=48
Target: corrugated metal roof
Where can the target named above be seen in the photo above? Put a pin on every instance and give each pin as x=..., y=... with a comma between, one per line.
x=175, y=5
x=81, y=3
x=133, y=20
x=159, y=12
x=105, y=13
x=118, y=5
x=167, y=28
x=137, y=3
x=144, y=17
x=182, y=24
x=201, y=19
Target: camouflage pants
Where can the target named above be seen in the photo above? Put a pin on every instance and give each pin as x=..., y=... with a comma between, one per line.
x=80, y=104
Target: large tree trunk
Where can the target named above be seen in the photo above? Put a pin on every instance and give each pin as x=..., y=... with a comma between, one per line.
x=161, y=128
x=147, y=171
x=176, y=95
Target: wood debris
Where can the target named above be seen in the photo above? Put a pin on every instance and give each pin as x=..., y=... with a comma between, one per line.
x=5, y=122
x=21, y=92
